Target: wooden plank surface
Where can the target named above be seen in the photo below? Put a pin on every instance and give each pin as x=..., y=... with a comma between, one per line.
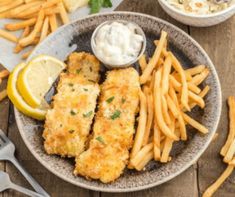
x=219, y=43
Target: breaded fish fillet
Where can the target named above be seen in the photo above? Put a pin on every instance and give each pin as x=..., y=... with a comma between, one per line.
x=84, y=64
x=68, y=123
x=113, y=130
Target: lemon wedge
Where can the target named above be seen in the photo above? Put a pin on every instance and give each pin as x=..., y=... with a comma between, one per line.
x=17, y=99
x=37, y=78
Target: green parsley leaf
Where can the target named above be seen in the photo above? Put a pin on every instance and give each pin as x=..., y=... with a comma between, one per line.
x=115, y=115
x=78, y=70
x=88, y=114
x=100, y=139
x=109, y=100
x=123, y=100
x=95, y=6
x=70, y=84
x=73, y=113
x=107, y=4
x=71, y=131
x=91, y=80
x=85, y=89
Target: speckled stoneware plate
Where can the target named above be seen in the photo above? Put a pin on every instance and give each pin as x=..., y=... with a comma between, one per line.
x=76, y=36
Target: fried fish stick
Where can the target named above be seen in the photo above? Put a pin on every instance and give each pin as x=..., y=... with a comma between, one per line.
x=113, y=129
x=68, y=123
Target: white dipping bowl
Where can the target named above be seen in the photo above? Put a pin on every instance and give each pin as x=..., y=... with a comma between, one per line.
x=202, y=20
x=108, y=64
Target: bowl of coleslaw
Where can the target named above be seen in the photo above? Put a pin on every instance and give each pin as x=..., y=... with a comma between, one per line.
x=199, y=13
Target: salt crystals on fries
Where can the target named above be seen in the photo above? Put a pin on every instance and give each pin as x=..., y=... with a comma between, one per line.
x=168, y=92
x=38, y=18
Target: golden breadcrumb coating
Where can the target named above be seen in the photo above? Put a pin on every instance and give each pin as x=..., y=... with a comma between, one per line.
x=113, y=130
x=84, y=64
x=68, y=123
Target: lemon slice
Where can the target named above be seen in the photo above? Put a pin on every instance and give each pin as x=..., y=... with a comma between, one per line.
x=16, y=98
x=37, y=78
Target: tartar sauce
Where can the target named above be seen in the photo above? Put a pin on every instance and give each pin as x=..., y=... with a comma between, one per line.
x=117, y=43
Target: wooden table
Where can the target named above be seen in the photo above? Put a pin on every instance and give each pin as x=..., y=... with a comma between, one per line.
x=219, y=43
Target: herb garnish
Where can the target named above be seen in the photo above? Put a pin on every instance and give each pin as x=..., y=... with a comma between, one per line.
x=88, y=114
x=100, y=139
x=78, y=70
x=109, y=100
x=71, y=131
x=73, y=113
x=85, y=89
x=115, y=115
x=91, y=80
x=123, y=100
x=97, y=4
x=70, y=84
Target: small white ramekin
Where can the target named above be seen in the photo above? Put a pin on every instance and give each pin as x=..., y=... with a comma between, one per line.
x=107, y=64
x=196, y=20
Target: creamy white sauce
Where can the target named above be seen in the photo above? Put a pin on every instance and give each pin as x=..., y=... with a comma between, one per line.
x=117, y=43
x=201, y=6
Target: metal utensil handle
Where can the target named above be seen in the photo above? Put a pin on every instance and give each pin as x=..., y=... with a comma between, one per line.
x=24, y=190
x=29, y=178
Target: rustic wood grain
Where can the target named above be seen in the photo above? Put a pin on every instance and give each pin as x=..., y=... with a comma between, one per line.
x=219, y=43
x=4, y=112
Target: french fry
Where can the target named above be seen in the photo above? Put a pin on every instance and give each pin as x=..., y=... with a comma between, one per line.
x=194, y=88
x=138, y=141
x=199, y=78
x=184, y=96
x=52, y=10
x=202, y=94
x=8, y=36
x=142, y=62
x=195, y=124
x=165, y=75
x=197, y=99
x=29, y=39
x=195, y=70
x=3, y=94
x=148, y=157
x=45, y=29
x=177, y=85
x=50, y=3
x=63, y=13
x=172, y=106
x=158, y=107
x=0, y=81
x=20, y=25
x=4, y=73
x=168, y=144
x=231, y=135
x=27, y=54
x=53, y=22
x=215, y=136
x=11, y=5
x=232, y=162
x=153, y=61
x=25, y=33
x=19, y=9
x=157, y=139
x=141, y=154
x=149, y=97
x=212, y=189
x=229, y=154
x=165, y=111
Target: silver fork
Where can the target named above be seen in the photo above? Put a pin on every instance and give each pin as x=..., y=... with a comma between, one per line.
x=5, y=183
x=7, y=150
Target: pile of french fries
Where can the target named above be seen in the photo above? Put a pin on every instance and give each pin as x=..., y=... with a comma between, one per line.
x=168, y=92
x=38, y=18
x=3, y=74
x=227, y=151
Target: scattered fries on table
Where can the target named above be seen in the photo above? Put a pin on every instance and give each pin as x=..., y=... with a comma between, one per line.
x=3, y=74
x=168, y=92
x=227, y=151
x=38, y=18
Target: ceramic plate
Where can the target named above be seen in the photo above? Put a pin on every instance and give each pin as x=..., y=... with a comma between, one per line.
x=76, y=36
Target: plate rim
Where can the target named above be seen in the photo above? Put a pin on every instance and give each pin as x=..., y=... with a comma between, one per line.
x=171, y=176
